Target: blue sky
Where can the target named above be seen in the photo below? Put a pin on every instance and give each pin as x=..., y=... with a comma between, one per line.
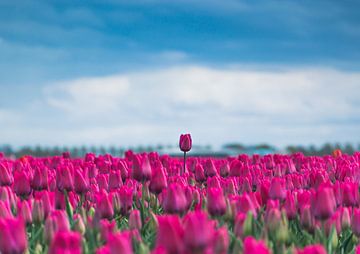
x=141, y=72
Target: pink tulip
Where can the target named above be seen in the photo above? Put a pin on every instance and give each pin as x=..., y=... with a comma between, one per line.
x=104, y=208
x=199, y=173
x=135, y=220
x=126, y=198
x=158, y=180
x=355, y=222
x=277, y=189
x=209, y=168
x=66, y=242
x=12, y=236
x=185, y=142
x=40, y=179
x=252, y=246
x=21, y=184
x=106, y=228
x=323, y=203
x=239, y=223
x=224, y=169
x=216, y=203
x=120, y=243
x=221, y=241
x=170, y=234
x=6, y=177
x=81, y=181
x=199, y=231
x=141, y=169
x=312, y=249
x=38, y=212
x=350, y=194
x=235, y=168
x=174, y=199
x=24, y=211
x=357, y=250
x=290, y=206
x=65, y=178
x=115, y=180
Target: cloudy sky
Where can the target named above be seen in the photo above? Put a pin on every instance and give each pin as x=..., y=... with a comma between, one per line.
x=142, y=72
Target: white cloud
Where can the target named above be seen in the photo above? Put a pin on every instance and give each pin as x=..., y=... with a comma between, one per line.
x=216, y=104
x=88, y=95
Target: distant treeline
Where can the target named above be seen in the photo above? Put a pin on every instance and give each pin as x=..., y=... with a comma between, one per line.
x=40, y=151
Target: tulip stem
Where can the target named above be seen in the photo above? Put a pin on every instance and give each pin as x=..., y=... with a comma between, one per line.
x=184, y=162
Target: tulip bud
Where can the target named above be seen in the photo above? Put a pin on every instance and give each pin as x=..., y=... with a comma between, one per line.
x=355, y=222
x=81, y=180
x=120, y=243
x=141, y=169
x=235, y=168
x=21, y=184
x=104, y=207
x=357, y=250
x=65, y=178
x=79, y=225
x=221, y=241
x=210, y=169
x=174, y=199
x=158, y=180
x=106, y=229
x=277, y=189
x=312, y=249
x=199, y=231
x=216, y=204
x=102, y=181
x=185, y=142
x=135, y=220
x=345, y=218
x=115, y=180
x=25, y=212
x=6, y=177
x=66, y=242
x=38, y=211
x=199, y=173
x=170, y=234
x=306, y=218
x=252, y=246
x=224, y=169
x=282, y=233
x=248, y=224
x=239, y=224
x=126, y=199
x=350, y=194
x=12, y=236
x=273, y=219
x=290, y=206
x=323, y=203
x=40, y=179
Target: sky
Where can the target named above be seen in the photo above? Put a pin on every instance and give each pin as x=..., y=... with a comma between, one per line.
x=141, y=72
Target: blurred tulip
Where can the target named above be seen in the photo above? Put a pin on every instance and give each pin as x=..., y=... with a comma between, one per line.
x=199, y=231
x=66, y=242
x=312, y=249
x=323, y=203
x=252, y=246
x=216, y=203
x=12, y=236
x=174, y=199
x=170, y=234
x=135, y=220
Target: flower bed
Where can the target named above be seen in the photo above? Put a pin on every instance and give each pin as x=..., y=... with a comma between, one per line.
x=147, y=203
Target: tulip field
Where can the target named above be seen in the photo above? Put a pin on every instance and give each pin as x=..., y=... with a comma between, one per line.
x=151, y=203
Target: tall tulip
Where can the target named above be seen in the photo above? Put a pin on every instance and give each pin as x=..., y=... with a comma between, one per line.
x=185, y=144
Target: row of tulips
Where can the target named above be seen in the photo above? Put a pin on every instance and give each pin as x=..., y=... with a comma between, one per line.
x=147, y=203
